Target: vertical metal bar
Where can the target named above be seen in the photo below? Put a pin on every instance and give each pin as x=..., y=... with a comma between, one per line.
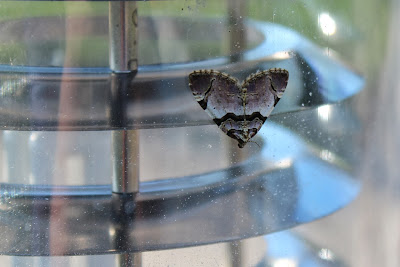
x=129, y=260
x=236, y=251
x=125, y=144
x=237, y=41
x=236, y=10
x=123, y=22
x=237, y=29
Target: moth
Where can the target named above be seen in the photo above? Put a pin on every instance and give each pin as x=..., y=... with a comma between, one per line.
x=239, y=109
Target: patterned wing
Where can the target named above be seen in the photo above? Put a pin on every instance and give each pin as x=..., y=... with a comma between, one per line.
x=264, y=89
x=217, y=93
x=279, y=81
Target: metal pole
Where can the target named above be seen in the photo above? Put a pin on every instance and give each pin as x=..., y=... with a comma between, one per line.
x=123, y=22
x=237, y=29
x=125, y=144
x=129, y=259
x=236, y=253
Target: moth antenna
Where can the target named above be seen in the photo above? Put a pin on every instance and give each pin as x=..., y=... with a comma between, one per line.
x=251, y=141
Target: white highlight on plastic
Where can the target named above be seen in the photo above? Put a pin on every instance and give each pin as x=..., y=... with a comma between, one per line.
x=327, y=24
x=284, y=263
x=326, y=254
x=324, y=112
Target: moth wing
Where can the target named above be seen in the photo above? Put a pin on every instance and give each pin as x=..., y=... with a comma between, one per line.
x=217, y=93
x=262, y=95
x=260, y=98
x=279, y=80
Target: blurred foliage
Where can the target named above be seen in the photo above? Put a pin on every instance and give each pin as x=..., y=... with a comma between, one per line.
x=23, y=9
x=355, y=20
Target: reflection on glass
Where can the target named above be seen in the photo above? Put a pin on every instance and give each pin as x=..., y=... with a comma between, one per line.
x=324, y=112
x=326, y=155
x=326, y=254
x=327, y=24
x=284, y=263
x=55, y=76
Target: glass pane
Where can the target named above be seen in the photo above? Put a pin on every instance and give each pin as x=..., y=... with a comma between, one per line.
x=104, y=150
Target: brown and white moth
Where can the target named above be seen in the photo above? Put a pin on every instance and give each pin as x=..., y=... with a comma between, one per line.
x=239, y=109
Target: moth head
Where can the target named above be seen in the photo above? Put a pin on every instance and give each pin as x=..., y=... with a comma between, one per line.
x=279, y=79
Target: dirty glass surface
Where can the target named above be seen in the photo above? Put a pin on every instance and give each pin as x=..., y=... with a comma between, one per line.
x=82, y=109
